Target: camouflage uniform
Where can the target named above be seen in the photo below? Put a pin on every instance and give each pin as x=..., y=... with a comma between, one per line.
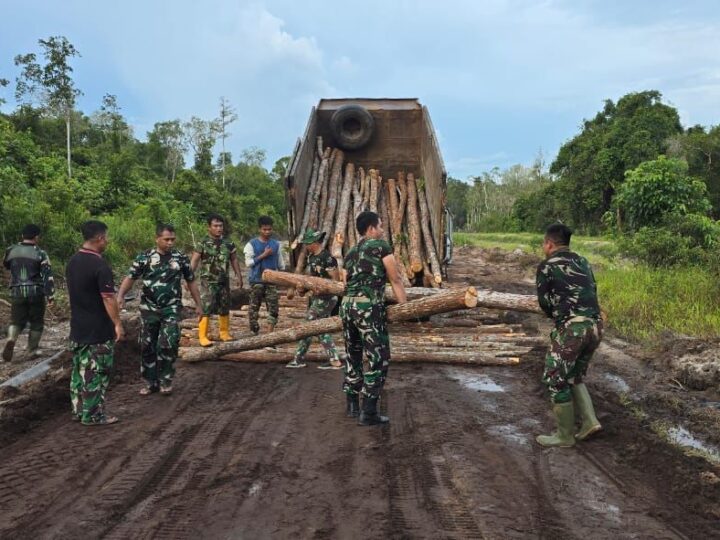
x=214, y=273
x=258, y=292
x=319, y=306
x=160, y=309
x=89, y=379
x=567, y=293
x=364, y=318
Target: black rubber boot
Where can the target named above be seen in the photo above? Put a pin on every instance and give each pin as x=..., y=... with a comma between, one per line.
x=369, y=415
x=353, y=406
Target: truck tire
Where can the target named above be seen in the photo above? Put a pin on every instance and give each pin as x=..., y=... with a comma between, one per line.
x=352, y=126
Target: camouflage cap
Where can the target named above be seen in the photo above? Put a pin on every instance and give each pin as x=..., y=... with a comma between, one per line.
x=311, y=236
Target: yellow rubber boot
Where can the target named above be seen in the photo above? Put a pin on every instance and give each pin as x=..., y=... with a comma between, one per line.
x=203, y=332
x=225, y=328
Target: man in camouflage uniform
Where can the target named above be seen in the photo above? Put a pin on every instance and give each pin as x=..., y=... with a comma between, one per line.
x=567, y=293
x=319, y=264
x=368, y=265
x=31, y=283
x=161, y=270
x=263, y=253
x=214, y=256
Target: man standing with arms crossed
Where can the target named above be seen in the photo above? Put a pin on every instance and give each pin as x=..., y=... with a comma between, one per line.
x=94, y=325
x=214, y=256
x=31, y=283
x=162, y=270
x=263, y=253
x=567, y=293
x=368, y=266
x=320, y=264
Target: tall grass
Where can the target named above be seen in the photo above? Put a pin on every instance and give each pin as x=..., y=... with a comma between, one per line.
x=641, y=302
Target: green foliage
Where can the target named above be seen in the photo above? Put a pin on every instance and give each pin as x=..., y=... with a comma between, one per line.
x=457, y=192
x=657, y=190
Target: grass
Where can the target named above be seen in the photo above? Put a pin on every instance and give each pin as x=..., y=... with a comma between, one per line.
x=642, y=303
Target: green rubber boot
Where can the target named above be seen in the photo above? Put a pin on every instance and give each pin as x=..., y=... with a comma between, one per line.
x=590, y=422
x=563, y=436
x=34, y=343
x=13, y=333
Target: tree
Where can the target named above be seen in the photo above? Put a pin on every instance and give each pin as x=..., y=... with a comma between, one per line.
x=111, y=123
x=201, y=135
x=3, y=84
x=253, y=156
x=457, y=193
x=279, y=170
x=51, y=84
x=619, y=138
x=656, y=191
x=227, y=117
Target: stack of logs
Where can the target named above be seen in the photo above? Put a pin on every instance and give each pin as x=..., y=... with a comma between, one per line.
x=339, y=191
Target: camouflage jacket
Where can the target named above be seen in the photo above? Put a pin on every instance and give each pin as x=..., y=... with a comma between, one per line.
x=215, y=258
x=30, y=271
x=161, y=278
x=566, y=287
x=366, y=274
x=319, y=266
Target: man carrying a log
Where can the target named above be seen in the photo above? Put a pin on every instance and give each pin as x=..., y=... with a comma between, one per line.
x=320, y=264
x=567, y=293
x=263, y=253
x=214, y=256
x=162, y=270
x=31, y=286
x=368, y=266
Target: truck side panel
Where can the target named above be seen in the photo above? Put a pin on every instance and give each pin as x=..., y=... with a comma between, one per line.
x=433, y=171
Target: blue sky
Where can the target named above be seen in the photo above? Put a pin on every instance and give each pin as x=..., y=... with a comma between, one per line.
x=503, y=79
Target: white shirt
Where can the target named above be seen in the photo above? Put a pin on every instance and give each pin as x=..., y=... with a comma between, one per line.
x=249, y=253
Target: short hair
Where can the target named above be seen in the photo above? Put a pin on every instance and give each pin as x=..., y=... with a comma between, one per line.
x=93, y=228
x=365, y=220
x=162, y=227
x=215, y=217
x=30, y=231
x=264, y=221
x=559, y=233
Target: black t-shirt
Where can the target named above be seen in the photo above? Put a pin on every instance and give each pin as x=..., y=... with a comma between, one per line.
x=89, y=278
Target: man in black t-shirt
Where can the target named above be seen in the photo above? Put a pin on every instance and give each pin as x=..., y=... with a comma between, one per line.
x=94, y=325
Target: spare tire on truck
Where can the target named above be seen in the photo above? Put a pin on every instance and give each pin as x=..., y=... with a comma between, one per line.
x=352, y=126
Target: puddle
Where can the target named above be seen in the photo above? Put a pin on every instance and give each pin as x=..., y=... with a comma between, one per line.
x=480, y=383
x=509, y=432
x=682, y=437
x=617, y=383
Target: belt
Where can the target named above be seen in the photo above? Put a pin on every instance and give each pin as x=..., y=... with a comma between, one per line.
x=357, y=298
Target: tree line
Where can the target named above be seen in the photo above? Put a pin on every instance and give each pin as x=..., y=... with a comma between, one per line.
x=60, y=166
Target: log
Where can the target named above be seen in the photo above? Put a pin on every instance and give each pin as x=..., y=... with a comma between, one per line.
x=428, y=241
x=439, y=357
x=392, y=199
x=413, y=224
x=364, y=188
x=402, y=204
x=343, y=211
x=320, y=148
x=319, y=211
x=414, y=309
x=374, y=189
x=308, y=202
x=385, y=218
x=333, y=188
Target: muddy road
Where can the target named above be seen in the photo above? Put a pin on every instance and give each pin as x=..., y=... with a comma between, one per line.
x=258, y=451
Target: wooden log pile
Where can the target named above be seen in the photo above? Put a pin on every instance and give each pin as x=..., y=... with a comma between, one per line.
x=339, y=190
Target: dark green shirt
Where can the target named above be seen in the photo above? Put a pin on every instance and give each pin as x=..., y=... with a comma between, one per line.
x=566, y=287
x=366, y=274
x=215, y=258
x=161, y=278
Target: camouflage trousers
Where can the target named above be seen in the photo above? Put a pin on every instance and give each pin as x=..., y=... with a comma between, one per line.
x=159, y=342
x=566, y=363
x=89, y=379
x=215, y=297
x=365, y=330
x=258, y=293
x=319, y=308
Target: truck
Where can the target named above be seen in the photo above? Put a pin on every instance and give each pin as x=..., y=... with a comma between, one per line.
x=386, y=134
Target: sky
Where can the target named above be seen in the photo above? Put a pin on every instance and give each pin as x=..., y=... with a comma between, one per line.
x=504, y=80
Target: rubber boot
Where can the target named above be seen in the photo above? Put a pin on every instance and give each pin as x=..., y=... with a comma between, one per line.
x=563, y=436
x=225, y=328
x=584, y=404
x=203, y=332
x=369, y=415
x=13, y=333
x=353, y=406
x=33, y=348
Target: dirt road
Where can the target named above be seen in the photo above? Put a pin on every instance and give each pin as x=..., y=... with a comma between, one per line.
x=257, y=451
